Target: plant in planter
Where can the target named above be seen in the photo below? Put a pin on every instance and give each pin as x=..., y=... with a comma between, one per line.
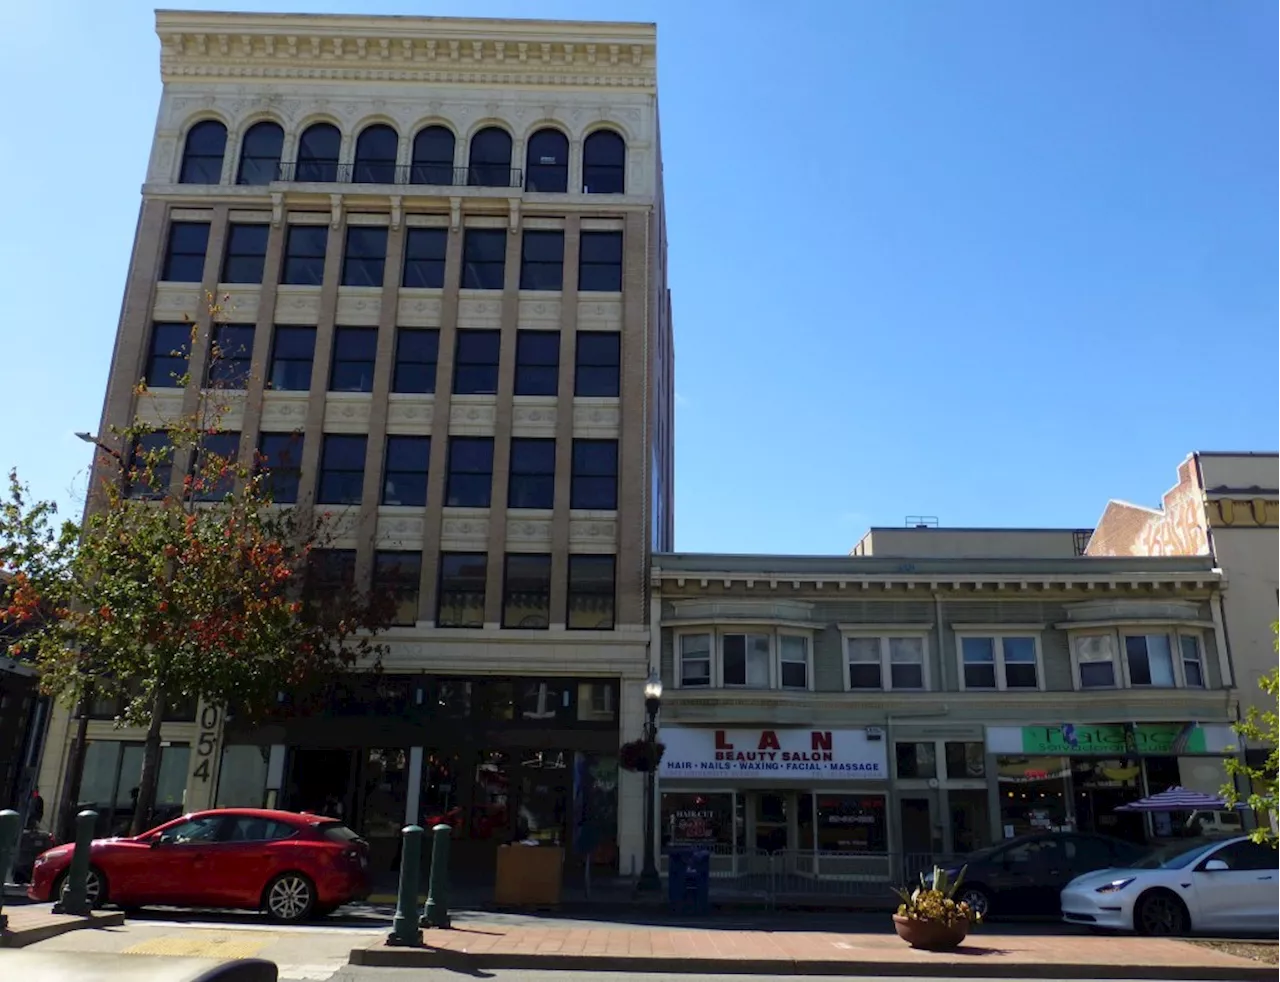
x=930, y=917
x=640, y=755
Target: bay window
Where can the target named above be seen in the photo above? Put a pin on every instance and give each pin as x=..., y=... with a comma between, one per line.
x=745, y=660
x=1192, y=662
x=793, y=660
x=1095, y=656
x=1140, y=657
x=695, y=660
x=754, y=658
x=999, y=661
x=890, y=663
x=1150, y=660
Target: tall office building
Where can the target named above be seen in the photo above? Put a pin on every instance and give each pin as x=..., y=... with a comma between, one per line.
x=440, y=249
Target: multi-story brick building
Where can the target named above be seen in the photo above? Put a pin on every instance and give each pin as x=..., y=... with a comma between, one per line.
x=440, y=248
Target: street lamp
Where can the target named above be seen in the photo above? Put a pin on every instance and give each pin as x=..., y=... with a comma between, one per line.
x=649, y=879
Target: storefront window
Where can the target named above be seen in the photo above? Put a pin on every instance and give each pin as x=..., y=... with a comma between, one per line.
x=597, y=702
x=495, y=701
x=242, y=777
x=545, y=701
x=438, y=794
x=918, y=760
x=382, y=789
x=1035, y=794
x=966, y=760
x=489, y=815
x=698, y=819
x=595, y=807
x=453, y=698
x=112, y=772
x=545, y=791
x=970, y=829
x=851, y=823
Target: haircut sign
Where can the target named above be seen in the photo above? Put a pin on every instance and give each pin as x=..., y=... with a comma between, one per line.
x=824, y=755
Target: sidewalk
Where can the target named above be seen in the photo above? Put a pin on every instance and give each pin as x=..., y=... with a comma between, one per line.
x=29, y=924
x=693, y=951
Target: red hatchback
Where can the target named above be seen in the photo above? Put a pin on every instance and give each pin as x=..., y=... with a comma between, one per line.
x=291, y=865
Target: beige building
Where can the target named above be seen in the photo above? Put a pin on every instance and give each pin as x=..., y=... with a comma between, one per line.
x=441, y=249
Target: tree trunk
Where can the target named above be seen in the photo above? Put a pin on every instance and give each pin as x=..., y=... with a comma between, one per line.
x=146, y=802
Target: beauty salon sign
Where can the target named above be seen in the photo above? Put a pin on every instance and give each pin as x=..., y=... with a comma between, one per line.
x=821, y=755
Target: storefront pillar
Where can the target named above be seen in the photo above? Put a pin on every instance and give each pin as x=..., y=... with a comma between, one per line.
x=631, y=802
x=413, y=786
x=275, y=775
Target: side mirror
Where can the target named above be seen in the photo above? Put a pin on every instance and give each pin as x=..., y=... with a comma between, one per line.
x=1216, y=866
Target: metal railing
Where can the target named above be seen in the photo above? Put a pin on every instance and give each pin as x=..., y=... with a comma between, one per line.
x=438, y=175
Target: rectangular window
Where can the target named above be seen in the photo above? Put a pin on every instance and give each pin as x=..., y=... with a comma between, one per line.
x=591, y=593
x=292, y=350
x=916, y=760
x=999, y=662
x=484, y=258
x=341, y=469
x=475, y=363
x=330, y=577
x=906, y=663
x=1192, y=663
x=404, y=475
x=695, y=660
x=595, y=475
x=526, y=591
x=184, y=259
x=600, y=263
x=150, y=466
x=246, y=254
x=167, y=359
x=1150, y=660
x=745, y=660
x=542, y=261
x=470, y=478
x=864, y=663
x=886, y=663
x=416, y=354
x=396, y=576
x=793, y=657
x=230, y=356
x=462, y=585
x=355, y=350
x=532, y=481
x=979, y=662
x=537, y=363
x=599, y=357
x=280, y=460
x=216, y=451
x=1096, y=660
x=304, y=251
x=365, y=257
x=1019, y=657
x=966, y=760
x=424, y=250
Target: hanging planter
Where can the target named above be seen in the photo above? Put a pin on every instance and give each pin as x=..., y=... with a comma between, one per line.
x=640, y=755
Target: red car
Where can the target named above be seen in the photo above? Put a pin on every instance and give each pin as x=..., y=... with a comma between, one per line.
x=291, y=865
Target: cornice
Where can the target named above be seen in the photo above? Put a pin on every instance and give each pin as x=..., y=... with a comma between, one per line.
x=411, y=49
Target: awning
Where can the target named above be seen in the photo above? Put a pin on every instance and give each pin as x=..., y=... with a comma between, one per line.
x=1176, y=799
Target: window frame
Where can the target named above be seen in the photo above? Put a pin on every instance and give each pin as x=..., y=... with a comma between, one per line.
x=322, y=470
x=300, y=259
x=530, y=374
x=405, y=440
x=482, y=267
x=571, y=593
x=370, y=167
x=574, y=503
x=555, y=174
x=366, y=379
x=450, y=471
x=365, y=260
x=580, y=365
x=322, y=169
x=491, y=363
x=585, y=264
x=544, y=559
x=290, y=360
x=171, y=253
x=255, y=159
x=421, y=168
x=401, y=386
x=235, y=254
x=155, y=357
x=998, y=637
x=419, y=265
x=199, y=160
x=231, y=369
x=291, y=472
x=588, y=166
x=1077, y=675
x=807, y=638
x=397, y=588
x=1180, y=669
x=884, y=636
x=514, y=475
x=442, y=591
x=537, y=274
x=717, y=632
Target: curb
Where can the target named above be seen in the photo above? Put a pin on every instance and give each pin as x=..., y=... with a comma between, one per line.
x=386, y=957
x=43, y=932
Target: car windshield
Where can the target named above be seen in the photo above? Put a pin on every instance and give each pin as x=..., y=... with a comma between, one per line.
x=1177, y=855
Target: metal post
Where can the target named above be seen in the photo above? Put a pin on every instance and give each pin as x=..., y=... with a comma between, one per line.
x=70, y=798
x=436, y=913
x=75, y=900
x=649, y=879
x=404, y=927
x=10, y=833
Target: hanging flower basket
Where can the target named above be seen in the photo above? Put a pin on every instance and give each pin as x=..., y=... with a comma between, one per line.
x=640, y=755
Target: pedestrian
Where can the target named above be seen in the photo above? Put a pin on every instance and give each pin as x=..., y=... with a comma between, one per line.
x=35, y=813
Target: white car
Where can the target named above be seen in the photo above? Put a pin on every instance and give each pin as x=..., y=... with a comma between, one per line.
x=1224, y=885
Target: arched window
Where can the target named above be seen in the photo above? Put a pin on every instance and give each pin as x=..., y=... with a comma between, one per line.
x=202, y=156
x=318, y=153
x=432, y=157
x=490, y=163
x=604, y=163
x=260, y=154
x=376, y=151
x=547, y=162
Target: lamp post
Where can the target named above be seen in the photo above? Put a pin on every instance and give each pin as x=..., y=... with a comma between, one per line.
x=649, y=879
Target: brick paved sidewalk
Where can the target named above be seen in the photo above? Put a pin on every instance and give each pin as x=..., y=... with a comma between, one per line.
x=985, y=954
x=37, y=922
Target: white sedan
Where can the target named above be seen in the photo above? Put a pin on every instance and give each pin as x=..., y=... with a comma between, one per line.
x=1226, y=885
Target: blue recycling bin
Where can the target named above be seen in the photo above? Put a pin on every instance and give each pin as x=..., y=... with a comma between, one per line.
x=689, y=880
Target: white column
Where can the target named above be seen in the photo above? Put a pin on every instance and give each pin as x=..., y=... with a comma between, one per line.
x=275, y=775
x=415, y=784
x=630, y=784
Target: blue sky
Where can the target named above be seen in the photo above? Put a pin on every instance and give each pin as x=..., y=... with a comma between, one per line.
x=991, y=261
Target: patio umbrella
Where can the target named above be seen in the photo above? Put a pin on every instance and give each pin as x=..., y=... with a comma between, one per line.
x=1175, y=799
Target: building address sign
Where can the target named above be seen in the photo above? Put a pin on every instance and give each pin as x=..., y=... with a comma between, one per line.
x=827, y=755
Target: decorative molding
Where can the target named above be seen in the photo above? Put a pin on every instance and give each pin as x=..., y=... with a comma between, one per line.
x=401, y=527
x=543, y=313
x=530, y=531
x=596, y=418
x=533, y=416
x=277, y=208
x=297, y=305
x=335, y=206
x=474, y=312
x=284, y=411
x=159, y=406
x=358, y=306
x=600, y=315
x=465, y=529
x=593, y=535
x=455, y=214
x=174, y=299
x=239, y=303
x=410, y=414
x=347, y=412
x=396, y=213
x=472, y=415
x=419, y=308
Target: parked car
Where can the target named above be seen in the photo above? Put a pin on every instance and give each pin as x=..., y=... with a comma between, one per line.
x=1026, y=875
x=1215, y=885
x=1207, y=823
x=31, y=844
x=291, y=865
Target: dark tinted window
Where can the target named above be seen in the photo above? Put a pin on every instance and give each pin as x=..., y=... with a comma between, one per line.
x=547, y=164
x=304, y=255
x=260, y=154
x=366, y=255
x=462, y=588
x=526, y=591
x=150, y=465
x=416, y=352
x=318, y=153
x=475, y=366
x=167, y=359
x=542, y=260
x=532, y=480
x=337, y=832
x=600, y=262
x=184, y=260
x=604, y=163
x=599, y=359
x=280, y=459
x=331, y=575
x=537, y=363
x=246, y=254
x=470, y=472
x=230, y=356
x=341, y=469
x=202, y=155
x=216, y=450
x=595, y=475
x=490, y=163
x=396, y=576
x=291, y=353
x=376, y=149
x=424, y=250
x=1246, y=855
x=354, y=352
x=432, y=157
x=404, y=476
x=247, y=828
x=484, y=258
x=1085, y=854
x=591, y=593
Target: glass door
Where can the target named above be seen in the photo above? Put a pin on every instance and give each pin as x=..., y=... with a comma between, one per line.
x=773, y=810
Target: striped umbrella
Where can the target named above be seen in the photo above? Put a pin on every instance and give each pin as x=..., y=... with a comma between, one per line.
x=1174, y=800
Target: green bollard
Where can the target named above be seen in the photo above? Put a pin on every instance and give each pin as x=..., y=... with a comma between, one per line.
x=404, y=927
x=436, y=913
x=10, y=832
x=75, y=900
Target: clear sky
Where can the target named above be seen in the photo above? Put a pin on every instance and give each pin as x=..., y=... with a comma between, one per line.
x=991, y=261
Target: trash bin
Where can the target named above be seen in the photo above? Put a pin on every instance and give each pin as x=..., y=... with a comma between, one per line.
x=677, y=869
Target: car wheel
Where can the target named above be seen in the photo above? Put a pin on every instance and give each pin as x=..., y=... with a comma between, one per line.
x=977, y=899
x=1160, y=914
x=290, y=898
x=95, y=887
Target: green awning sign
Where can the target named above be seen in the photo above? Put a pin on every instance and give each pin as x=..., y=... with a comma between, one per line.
x=1115, y=739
